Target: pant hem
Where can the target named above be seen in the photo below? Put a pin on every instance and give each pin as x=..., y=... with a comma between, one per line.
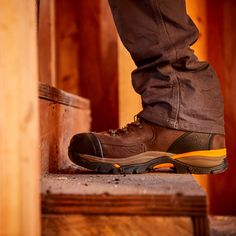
x=184, y=125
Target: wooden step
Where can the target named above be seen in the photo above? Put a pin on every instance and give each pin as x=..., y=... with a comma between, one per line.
x=61, y=116
x=95, y=202
x=222, y=225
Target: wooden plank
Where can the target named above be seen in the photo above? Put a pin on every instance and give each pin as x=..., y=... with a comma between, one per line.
x=19, y=156
x=59, y=96
x=98, y=62
x=61, y=116
x=81, y=225
x=86, y=57
x=58, y=123
x=200, y=226
x=161, y=205
x=46, y=42
x=67, y=46
x=221, y=44
x=161, y=194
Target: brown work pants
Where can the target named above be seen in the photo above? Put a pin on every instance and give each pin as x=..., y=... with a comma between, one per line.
x=177, y=90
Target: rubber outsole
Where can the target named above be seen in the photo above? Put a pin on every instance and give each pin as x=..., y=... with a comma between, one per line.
x=150, y=166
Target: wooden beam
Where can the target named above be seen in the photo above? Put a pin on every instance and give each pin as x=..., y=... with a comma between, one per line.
x=46, y=42
x=67, y=46
x=59, y=96
x=19, y=152
x=98, y=61
x=222, y=55
x=86, y=57
x=62, y=115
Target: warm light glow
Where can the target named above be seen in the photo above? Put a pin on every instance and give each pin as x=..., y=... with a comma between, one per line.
x=129, y=101
x=197, y=10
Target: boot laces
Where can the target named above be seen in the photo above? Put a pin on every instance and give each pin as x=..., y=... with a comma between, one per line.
x=136, y=123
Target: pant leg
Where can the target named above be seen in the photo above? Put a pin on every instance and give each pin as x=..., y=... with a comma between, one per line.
x=177, y=90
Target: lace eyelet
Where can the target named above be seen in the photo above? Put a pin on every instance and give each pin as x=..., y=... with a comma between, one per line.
x=112, y=132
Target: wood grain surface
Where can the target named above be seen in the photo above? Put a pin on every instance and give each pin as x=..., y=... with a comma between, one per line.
x=150, y=194
x=61, y=116
x=74, y=225
x=67, y=46
x=157, y=204
x=98, y=62
x=222, y=55
x=55, y=95
x=19, y=124
x=46, y=42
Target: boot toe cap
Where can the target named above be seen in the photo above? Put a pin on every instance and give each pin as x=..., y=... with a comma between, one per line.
x=84, y=143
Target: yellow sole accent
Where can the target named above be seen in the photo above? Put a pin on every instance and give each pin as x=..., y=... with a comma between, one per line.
x=205, y=153
x=164, y=165
x=116, y=166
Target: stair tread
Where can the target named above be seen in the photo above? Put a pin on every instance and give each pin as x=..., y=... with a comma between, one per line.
x=155, y=194
x=145, y=184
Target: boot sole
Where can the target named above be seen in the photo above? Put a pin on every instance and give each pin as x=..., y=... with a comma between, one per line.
x=197, y=162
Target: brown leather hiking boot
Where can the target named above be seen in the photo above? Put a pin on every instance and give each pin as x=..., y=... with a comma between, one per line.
x=142, y=146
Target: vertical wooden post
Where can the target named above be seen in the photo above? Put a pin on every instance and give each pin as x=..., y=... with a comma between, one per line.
x=19, y=149
x=98, y=61
x=222, y=55
x=46, y=42
x=67, y=45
